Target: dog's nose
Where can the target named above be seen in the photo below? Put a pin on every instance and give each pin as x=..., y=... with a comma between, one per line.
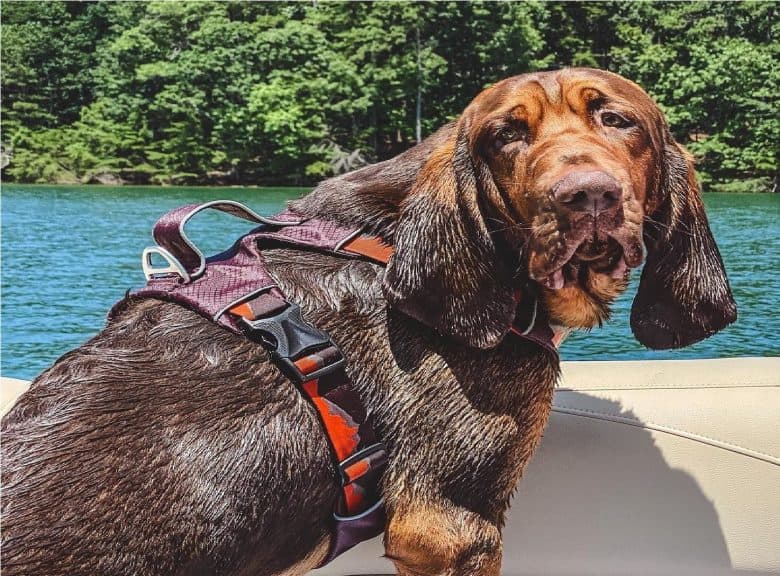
x=594, y=192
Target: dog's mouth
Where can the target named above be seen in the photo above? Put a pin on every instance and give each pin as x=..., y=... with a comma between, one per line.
x=611, y=253
x=600, y=257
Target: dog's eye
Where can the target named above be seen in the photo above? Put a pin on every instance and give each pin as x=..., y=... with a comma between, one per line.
x=509, y=134
x=615, y=120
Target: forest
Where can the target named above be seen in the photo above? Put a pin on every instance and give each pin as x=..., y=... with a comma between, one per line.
x=291, y=92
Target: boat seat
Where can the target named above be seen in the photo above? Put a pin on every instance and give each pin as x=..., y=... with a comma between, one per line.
x=646, y=468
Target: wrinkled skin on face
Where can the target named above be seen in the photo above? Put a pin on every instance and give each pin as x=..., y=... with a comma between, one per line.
x=589, y=134
x=555, y=183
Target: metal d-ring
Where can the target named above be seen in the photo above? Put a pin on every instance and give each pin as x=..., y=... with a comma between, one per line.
x=174, y=266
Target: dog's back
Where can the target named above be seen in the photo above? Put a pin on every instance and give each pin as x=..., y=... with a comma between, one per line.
x=146, y=451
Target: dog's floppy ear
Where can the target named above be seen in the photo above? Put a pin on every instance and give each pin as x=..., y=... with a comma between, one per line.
x=445, y=270
x=684, y=295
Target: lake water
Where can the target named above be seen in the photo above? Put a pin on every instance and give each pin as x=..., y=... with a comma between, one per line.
x=69, y=253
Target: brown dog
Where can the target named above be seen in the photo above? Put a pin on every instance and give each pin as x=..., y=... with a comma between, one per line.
x=168, y=445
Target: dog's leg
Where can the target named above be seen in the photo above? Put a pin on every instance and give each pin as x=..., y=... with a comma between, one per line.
x=442, y=540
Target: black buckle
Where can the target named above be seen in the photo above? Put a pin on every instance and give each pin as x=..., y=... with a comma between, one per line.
x=360, y=455
x=288, y=337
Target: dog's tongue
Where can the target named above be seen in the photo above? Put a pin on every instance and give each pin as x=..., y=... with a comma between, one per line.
x=554, y=281
x=620, y=269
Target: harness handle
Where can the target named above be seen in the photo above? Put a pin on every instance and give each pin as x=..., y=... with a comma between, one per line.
x=169, y=232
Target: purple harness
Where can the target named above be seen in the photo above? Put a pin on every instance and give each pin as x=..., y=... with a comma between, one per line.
x=235, y=290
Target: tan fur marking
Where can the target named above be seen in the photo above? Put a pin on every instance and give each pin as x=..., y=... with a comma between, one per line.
x=576, y=306
x=425, y=541
x=437, y=174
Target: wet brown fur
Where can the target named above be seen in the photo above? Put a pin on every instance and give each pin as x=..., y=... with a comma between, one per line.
x=167, y=445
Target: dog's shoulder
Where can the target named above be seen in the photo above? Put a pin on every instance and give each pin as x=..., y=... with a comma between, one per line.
x=321, y=282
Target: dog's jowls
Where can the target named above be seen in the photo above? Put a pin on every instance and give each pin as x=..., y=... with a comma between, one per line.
x=167, y=445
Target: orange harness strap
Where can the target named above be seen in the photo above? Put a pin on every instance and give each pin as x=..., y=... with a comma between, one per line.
x=371, y=247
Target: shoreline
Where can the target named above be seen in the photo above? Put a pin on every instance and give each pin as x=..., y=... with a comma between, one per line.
x=164, y=186
x=309, y=188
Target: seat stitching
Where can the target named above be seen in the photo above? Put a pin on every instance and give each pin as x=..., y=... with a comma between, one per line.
x=584, y=412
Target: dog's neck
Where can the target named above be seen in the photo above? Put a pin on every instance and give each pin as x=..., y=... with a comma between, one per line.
x=354, y=204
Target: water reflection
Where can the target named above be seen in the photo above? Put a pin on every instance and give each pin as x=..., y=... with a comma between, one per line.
x=69, y=253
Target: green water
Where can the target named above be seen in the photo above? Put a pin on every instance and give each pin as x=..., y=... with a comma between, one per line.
x=69, y=253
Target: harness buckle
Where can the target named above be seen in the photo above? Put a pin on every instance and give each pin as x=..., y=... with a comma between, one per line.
x=370, y=458
x=291, y=341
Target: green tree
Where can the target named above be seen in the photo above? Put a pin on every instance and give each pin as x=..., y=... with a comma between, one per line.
x=249, y=92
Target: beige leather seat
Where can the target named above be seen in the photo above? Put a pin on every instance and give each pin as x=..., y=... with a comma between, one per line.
x=12, y=388
x=646, y=468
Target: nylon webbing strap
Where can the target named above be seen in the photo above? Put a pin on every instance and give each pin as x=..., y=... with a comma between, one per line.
x=311, y=359
x=369, y=246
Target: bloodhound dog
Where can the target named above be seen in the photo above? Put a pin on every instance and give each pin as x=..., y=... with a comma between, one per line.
x=167, y=445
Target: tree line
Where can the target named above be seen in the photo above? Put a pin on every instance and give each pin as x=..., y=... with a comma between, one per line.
x=291, y=92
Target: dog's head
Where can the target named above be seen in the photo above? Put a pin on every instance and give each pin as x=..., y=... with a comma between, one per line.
x=565, y=180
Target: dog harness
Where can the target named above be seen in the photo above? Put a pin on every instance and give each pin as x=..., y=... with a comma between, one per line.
x=235, y=290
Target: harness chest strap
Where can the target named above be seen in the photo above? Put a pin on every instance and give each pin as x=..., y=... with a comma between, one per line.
x=360, y=515
x=310, y=358
x=319, y=369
